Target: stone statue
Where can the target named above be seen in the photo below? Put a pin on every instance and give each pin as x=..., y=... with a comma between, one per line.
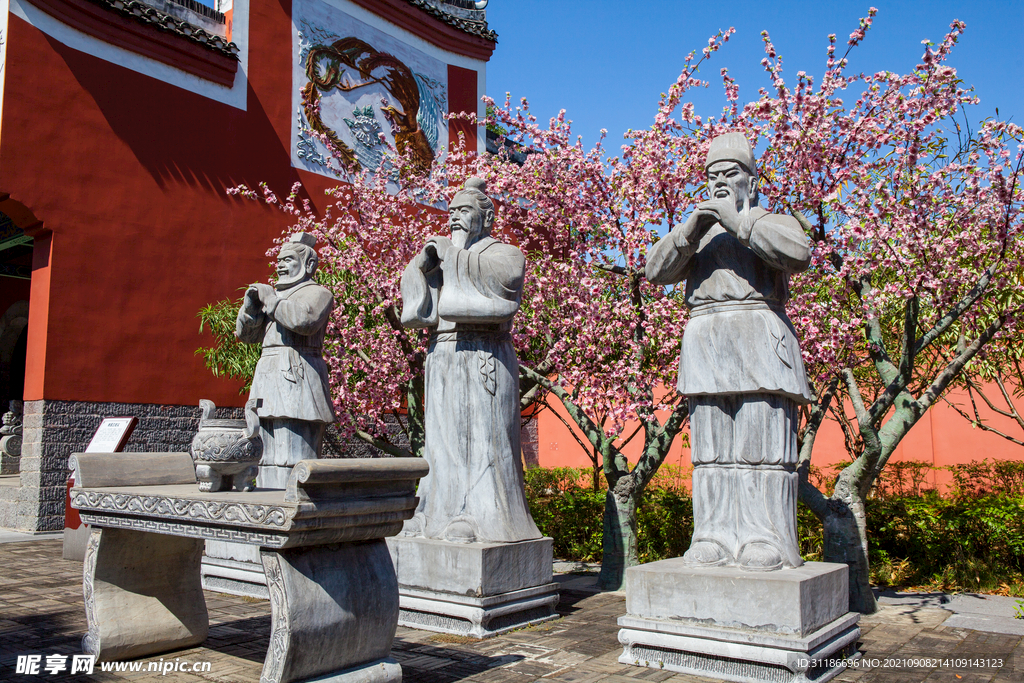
x=290, y=385
x=467, y=288
x=10, y=438
x=740, y=364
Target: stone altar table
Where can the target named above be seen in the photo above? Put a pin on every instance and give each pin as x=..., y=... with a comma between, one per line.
x=333, y=589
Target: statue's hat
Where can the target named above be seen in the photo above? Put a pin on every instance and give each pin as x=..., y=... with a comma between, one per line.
x=303, y=238
x=731, y=147
x=472, y=183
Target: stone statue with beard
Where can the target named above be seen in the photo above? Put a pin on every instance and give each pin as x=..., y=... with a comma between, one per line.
x=740, y=364
x=466, y=288
x=290, y=384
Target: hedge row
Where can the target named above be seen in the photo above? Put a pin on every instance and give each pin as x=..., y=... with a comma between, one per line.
x=969, y=538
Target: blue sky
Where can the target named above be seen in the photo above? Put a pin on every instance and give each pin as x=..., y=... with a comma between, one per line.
x=607, y=61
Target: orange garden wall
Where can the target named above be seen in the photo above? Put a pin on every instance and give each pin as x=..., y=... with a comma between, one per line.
x=942, y=437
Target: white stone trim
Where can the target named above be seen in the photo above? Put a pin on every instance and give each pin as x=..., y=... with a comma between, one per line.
x=235, y=96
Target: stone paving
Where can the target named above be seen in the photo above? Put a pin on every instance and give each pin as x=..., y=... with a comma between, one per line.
x=41, y=612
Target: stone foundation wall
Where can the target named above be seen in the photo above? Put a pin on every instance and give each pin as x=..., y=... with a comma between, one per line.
x=53, y=430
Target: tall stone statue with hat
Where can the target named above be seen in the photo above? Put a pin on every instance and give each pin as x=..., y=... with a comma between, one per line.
x=471, y=561
x=740, y=364
x=290, y=385
x=466, y=288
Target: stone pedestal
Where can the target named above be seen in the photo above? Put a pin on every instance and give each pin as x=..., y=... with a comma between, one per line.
x=784, y=626
x=473, y=589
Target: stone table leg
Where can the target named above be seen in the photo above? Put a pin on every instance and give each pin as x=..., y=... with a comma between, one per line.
x=334, y=611
x=143, y=594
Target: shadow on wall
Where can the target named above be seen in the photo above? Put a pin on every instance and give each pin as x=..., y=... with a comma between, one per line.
x=182, y=137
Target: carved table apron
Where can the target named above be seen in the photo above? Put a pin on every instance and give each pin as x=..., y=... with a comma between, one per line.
x=333, y=590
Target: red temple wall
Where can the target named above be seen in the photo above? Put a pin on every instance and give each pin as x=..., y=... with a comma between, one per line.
x=128, y=175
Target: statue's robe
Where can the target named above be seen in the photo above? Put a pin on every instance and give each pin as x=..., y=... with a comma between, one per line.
x=291, y=378
x=472, y=416
x=741, y=369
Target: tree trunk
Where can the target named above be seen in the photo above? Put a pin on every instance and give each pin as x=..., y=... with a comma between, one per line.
x=619, y=544
x=414, y=412
x=846, y=542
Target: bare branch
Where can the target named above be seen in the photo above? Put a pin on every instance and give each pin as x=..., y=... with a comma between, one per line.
x=954, y=314
x=980, y=424
x=956, y=365
x=586, y=446
x=591, y=430
x=378, y=443
x=863, y=417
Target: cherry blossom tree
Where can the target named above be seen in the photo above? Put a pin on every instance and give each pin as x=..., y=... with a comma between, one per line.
x=916, y=226
x=915, y=221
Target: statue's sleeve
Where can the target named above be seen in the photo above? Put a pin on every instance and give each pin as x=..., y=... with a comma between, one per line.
x=419, y=296
x=305, y=312
x=668, y=261
x=482, y=286
x=248, y=327
x=780, y=241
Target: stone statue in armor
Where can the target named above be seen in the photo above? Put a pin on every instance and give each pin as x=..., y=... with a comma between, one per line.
x=740, y=364
x=290, y=385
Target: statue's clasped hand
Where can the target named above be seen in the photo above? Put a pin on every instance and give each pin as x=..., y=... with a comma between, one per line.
x=724, y=212
x=259, y=296
x=434, y=253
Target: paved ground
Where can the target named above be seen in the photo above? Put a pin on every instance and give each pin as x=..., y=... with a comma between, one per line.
x=41, y=612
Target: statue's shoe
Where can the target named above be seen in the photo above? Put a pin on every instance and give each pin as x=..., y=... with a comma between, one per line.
x=459, y=531
x=705, y=553
x=760, y=557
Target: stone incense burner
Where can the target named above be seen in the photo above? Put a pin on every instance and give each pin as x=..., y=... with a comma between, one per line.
x=227, y=452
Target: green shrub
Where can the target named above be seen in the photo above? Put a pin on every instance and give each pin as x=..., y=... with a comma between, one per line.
x=965, y=540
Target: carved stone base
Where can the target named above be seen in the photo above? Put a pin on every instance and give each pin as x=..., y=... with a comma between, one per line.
x=329, y=624
x=473, y=589
x=142, y=594
x=382, y=671
x=739, y=655
x=477, y=617
x=786, y=626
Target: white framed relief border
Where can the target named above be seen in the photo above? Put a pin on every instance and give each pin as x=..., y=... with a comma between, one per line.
x=353, y=84
x=5, y=7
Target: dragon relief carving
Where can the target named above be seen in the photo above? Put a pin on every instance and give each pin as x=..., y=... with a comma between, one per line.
x=349, y=64
x=90, y=641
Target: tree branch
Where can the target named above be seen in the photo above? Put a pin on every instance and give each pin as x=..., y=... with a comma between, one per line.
x=954, y=314
x=658, y=440
x=379, y=444
x=591, y=430
x=908, y=352
x=977, y=422
x=814, y=499
x=957, y=364
x=616, y=269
